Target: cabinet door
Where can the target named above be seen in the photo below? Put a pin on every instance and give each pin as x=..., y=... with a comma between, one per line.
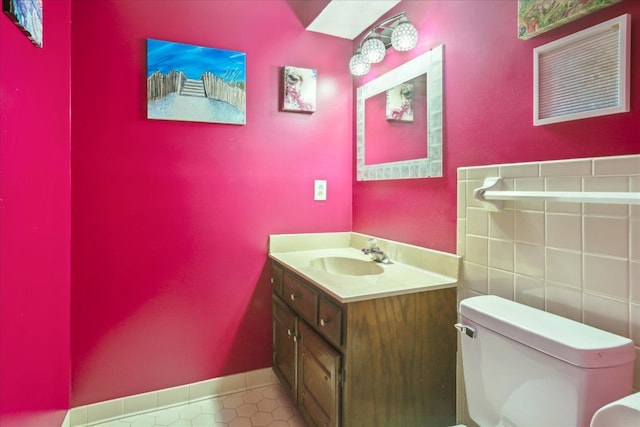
x=318, y=380
x=284, y=340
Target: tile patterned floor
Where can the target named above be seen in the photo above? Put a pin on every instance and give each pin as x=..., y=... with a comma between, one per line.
x=265, y=406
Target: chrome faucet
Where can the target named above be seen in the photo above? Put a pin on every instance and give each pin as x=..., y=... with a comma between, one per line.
x=376, y=253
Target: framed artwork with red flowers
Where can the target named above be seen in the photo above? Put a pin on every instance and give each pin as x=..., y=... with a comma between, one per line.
x=539, y=16
x=299, y=89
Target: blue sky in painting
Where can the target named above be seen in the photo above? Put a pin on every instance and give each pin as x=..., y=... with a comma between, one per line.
x=29, y=16
x=194, y=60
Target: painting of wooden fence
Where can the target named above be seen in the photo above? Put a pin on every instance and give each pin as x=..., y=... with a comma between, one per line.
x=195, y=83
x=27, y=15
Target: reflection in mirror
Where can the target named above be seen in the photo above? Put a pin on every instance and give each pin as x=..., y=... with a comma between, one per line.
x=400, y=113
x=396, y=123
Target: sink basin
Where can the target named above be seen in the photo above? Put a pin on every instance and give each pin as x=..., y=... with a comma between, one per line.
x=346, y=266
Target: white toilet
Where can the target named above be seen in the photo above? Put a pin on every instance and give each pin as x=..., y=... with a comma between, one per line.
x=527, y=367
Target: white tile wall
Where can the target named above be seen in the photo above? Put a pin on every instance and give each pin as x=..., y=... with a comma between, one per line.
x=580, y=261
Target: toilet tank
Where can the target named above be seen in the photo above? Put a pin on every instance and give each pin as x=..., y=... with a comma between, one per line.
x=527, y=367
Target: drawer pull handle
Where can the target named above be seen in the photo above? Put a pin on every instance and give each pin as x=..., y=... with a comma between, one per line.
x=323, y=322
x=293, y=297
x=289, y=332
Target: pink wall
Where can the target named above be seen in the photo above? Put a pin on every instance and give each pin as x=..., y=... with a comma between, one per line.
x=171, y=219
x=35, y=220
x=487, y=113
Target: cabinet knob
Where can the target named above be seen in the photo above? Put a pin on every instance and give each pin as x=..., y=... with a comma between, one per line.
x=272, y=281
x=295, y=338
x=293, y=297
x=289, y=332
x=323, y=322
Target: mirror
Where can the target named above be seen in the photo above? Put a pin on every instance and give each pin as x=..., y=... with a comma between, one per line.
x=400, y=113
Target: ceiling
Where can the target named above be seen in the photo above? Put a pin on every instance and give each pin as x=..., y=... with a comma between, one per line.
x=349, y=18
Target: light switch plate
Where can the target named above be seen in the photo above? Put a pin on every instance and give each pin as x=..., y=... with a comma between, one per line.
x=320, y=189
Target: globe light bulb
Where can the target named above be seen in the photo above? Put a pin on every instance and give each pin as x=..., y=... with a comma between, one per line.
x=405, y=36
x=373, y=50
x=357, y=65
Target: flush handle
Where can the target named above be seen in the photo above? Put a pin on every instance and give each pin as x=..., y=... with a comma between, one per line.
x=466, y=329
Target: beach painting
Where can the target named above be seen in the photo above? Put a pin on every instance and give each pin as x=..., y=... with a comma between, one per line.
x=539, y=16
x=27, y=14
x=195, y=83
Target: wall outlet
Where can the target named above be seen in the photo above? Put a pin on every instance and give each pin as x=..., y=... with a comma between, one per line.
x=320, y=189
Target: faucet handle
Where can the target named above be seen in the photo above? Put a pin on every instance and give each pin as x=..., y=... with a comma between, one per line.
x=372, y=242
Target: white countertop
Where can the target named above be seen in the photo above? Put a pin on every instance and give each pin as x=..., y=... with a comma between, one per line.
x=398, y=278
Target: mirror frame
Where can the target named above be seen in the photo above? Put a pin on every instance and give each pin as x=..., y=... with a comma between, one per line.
x=431, y=166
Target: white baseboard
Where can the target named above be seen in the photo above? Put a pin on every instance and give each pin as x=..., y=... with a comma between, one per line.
x=130, y=405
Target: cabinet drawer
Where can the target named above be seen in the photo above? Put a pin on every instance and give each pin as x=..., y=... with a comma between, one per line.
x=302, y=298
x=330, y=321
x=277, y=274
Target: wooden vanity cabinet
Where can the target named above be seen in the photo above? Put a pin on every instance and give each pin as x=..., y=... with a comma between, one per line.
x=382, y=362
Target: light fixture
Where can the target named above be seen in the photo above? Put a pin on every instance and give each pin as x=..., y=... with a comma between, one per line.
x=373, y=49
x=357, y=65
x=395, y=31
x=405, y=36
